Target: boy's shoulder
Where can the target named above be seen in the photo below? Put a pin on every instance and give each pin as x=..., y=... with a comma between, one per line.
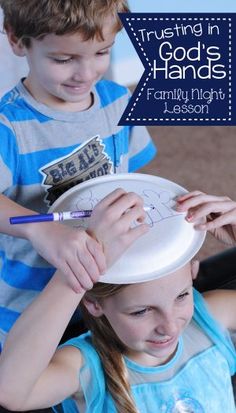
x=11, y=97
x=110, y=91
x=14, y=108
x=11, y=108
x=11, y=102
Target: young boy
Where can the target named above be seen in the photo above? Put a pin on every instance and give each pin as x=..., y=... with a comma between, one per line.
x=58, y=127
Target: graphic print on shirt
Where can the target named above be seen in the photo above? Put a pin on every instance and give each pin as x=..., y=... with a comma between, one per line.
x=186, y=405
x=85, y=162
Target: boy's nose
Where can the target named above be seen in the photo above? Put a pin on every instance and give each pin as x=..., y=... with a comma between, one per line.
x=84, y=73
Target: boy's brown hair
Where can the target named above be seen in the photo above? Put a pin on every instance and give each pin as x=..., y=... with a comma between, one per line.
x=36, y=18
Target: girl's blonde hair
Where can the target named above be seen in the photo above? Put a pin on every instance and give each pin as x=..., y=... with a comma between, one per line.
x=110, y=349
x=36, y=18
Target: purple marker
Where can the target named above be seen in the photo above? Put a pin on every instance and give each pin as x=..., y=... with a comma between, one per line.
x=56, y=216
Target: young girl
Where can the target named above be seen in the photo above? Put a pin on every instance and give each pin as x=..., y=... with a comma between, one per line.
x=156, y=346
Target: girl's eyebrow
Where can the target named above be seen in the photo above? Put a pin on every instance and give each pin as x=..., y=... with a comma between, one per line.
x=186, y=288
x=137, y=306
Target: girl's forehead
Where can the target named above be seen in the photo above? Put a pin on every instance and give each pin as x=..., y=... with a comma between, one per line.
x=166, y=286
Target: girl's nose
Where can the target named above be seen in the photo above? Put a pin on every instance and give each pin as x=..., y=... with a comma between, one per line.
x=167, y=326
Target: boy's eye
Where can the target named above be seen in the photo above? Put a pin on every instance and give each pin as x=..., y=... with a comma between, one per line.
x=103, y=52
x=62, y=61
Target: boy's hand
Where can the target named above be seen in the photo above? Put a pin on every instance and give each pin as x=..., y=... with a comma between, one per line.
x=73, y=251
x=82, y=256
x=111, y=223
x=219, y=212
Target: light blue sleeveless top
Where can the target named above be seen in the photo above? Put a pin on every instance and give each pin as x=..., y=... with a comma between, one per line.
x=196, y=380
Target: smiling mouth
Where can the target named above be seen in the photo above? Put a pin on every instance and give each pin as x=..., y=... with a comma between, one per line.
x=162, y=342
x=79, y=84
x=159, y=341
x=77, y=87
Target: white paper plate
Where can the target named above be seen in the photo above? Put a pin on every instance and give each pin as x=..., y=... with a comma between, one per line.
x=171, y=241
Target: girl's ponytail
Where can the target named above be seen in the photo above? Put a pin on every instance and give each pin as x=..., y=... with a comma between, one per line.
x=110, y=350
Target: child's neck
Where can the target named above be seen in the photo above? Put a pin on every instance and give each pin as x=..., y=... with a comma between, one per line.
x=147, y=360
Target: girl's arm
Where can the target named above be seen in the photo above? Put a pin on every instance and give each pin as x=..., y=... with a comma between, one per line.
x=222, y=304
x=28, y=380
x=219, y=213
x=31, y=376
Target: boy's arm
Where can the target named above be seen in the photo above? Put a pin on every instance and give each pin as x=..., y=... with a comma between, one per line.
x=27, y=380
x=77, y=255
x=8, y=208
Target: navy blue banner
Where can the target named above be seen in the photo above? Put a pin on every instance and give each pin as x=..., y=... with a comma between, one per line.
x=189, y=69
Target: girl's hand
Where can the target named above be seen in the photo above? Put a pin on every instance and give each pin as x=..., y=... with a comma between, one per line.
x=218, y=211
x=112, y=223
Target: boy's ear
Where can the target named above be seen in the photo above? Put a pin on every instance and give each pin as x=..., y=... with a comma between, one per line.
x=16, y=44
x=93, y=307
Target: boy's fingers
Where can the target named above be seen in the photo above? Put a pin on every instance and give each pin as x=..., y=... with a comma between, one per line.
x=135, y=233
x=84, y=280
x=133, y=214
x=110, y=198
x=86, y=270
x=71, y=279
x=122, y=205
x=74, y=268
x=96, y=251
